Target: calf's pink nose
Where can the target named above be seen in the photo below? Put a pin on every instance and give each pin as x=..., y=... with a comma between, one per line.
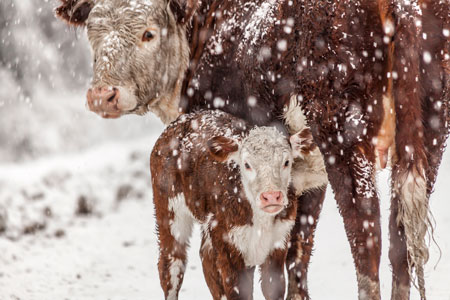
x=271, y=198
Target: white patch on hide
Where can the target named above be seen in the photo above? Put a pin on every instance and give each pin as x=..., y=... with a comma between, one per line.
x=181, y=225
x=176, y=268
x=308, y=173
x=257, y=241
x=294, y=117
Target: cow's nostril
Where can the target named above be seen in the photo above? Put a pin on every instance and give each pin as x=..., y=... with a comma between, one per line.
x=110, y=99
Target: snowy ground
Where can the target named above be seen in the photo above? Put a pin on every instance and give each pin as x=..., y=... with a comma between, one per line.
x=76, y=215
x=80, y=225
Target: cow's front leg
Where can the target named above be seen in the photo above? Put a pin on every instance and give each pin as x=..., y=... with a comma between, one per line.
x=272, y=275
x=302, y=242
x=352, y=178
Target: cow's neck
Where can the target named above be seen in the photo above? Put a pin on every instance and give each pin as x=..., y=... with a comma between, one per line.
x=168, y=107
x=224, y=71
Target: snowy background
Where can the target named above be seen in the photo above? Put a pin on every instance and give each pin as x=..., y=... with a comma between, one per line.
x=76, y=213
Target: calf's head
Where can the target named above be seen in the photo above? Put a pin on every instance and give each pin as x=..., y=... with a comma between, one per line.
x=265, y=158
x=140, y=53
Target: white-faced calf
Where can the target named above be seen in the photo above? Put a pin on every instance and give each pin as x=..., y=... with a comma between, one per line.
x=211, y=168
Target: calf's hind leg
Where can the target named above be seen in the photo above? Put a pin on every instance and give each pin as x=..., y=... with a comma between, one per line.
x=174, y=227
x=210, y=270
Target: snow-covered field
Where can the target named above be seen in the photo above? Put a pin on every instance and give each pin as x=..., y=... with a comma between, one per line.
x=80, y=225
x=76, y=213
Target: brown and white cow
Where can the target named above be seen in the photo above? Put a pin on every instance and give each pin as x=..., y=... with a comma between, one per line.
x=210, y=167
x=372, y=78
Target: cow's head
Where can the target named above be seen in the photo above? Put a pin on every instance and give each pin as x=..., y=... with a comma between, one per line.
x=265, y=159
x=140, y=53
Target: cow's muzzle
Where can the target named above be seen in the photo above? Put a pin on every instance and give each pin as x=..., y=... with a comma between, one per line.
x=104, y=101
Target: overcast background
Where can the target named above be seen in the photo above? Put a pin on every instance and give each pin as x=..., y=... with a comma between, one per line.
x=76, y=216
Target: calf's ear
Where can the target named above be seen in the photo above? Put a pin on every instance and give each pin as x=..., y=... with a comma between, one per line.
x=183, y=10
x=75, y=12
x=221, y=147
x=302, y=143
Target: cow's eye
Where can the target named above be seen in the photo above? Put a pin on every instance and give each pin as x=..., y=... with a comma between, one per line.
x=147, y=36
x=286, y=164
x=247, y=166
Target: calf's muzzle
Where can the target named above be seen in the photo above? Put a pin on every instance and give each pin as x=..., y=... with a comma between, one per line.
x=272, y=201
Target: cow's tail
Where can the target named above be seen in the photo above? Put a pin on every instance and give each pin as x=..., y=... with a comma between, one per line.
x=409, y=172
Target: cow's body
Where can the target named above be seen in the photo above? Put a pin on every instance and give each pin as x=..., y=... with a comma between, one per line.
x=373, y=80
x=190, y=185
x=361, y=73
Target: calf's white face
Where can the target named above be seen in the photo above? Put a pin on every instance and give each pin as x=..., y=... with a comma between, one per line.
x=265, y=159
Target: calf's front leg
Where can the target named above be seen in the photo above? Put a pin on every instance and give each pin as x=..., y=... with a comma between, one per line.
x=236, y=277
x=272, y=275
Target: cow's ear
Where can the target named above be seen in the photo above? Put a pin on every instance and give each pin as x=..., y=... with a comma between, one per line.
x=222, y=147
x=183, y=10
x=302, y=143
x=75, y=12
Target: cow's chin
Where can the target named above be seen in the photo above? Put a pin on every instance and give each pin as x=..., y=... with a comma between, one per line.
x=110, y=115
x=127, y=100
x=272, y=209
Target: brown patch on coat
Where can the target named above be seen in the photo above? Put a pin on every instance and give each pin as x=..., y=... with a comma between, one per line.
x=74, y=12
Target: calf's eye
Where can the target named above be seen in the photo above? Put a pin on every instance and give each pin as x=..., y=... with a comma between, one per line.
x=286, y=164
x=247, y=166
x=147, y=36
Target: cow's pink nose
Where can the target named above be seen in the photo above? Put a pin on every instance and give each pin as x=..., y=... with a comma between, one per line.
x=103, y=101
x=272, y=201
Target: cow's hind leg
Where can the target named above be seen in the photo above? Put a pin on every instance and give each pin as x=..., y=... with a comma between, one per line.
x=419, y=152
x=408, y=228
x=302, y=242
x=174, y=227
x=421, y=104
x=352, y=179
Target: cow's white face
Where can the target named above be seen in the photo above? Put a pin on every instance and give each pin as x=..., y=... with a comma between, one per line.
x=140, y=55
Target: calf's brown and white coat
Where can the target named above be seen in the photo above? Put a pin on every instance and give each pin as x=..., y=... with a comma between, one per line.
x=210, y=167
